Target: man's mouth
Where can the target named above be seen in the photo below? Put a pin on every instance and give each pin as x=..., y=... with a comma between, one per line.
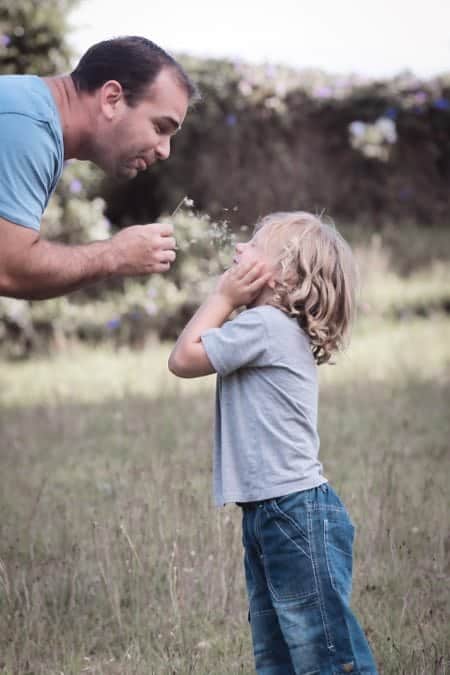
x=141, y=164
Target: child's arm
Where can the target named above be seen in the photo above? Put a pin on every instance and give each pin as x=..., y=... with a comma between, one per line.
x=237, y=286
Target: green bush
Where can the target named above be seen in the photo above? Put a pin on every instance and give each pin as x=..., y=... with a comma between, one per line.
x=262, y=139
x=33, y=36
x=266, y=138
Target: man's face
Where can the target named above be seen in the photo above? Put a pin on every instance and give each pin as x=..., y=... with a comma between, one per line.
x=130, y=139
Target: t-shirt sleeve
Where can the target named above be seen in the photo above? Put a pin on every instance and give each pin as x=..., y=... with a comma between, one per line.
x=27, y=169
x=239, y=343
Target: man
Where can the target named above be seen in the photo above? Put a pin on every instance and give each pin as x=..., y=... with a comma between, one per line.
x=119, y=108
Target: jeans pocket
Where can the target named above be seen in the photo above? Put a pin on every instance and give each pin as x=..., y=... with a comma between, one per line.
x=287, y=559
x=339, y=534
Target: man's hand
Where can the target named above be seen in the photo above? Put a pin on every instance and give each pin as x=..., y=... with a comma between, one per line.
x=242, y=283
x=35, y=269
x=143, y=249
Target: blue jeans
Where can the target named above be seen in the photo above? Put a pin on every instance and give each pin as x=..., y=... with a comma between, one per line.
x=298, y=567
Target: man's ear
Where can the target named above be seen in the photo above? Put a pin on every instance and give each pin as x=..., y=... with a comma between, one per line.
x=111, y=98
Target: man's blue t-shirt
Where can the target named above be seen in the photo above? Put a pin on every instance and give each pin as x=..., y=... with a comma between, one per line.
x=31, y=148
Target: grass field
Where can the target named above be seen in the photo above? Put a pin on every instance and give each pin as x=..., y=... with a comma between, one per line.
x=114, y=562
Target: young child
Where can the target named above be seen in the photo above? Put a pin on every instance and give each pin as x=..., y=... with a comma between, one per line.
x=297, y=278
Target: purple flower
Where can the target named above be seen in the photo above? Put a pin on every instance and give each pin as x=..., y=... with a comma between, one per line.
x=441, y=104
x=405, y=194
x=271, y=71
x=75, y=186
x=391, y=113
x=341, y=83
x=231, y=120
x=151, y=308
x=322, y=92
x=112, y=324
x=420, y=97
x=4, y=40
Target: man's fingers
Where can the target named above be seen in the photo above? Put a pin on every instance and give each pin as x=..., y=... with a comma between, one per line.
x=165, y=256
x=165, y=229
x=161, y=267
x=156, y=229
x=168, y=243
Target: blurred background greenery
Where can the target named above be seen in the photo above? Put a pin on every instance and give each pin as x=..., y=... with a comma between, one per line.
x=112, y=561
x=373, y=156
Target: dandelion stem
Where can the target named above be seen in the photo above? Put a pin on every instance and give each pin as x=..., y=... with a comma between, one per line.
x=178, y=207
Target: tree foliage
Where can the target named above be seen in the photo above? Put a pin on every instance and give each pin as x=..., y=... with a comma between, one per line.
x=262, y=139
x=268, y=138
x=33, y=36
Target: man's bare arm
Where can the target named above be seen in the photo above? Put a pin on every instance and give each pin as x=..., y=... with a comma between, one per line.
x=35, y=269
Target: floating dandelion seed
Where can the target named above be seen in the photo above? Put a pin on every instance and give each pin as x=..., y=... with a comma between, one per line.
x=216, y=235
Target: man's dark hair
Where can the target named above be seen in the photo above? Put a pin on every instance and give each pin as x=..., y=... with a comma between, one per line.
x=133, y=61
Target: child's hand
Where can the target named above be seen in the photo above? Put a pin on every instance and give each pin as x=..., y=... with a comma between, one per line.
x=242, y=283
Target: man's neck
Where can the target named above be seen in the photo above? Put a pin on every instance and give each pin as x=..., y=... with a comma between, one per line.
x=74, y=114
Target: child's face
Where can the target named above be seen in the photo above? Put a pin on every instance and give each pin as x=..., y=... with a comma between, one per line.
x=256, y=249
x=251, y=250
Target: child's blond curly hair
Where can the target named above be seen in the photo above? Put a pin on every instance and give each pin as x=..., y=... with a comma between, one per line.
x=316, y=277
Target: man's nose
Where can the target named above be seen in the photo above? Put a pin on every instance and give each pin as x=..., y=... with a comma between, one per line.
x=239, y=247
x=163, y=148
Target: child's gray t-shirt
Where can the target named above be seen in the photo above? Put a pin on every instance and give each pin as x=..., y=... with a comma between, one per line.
x=265, y=439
